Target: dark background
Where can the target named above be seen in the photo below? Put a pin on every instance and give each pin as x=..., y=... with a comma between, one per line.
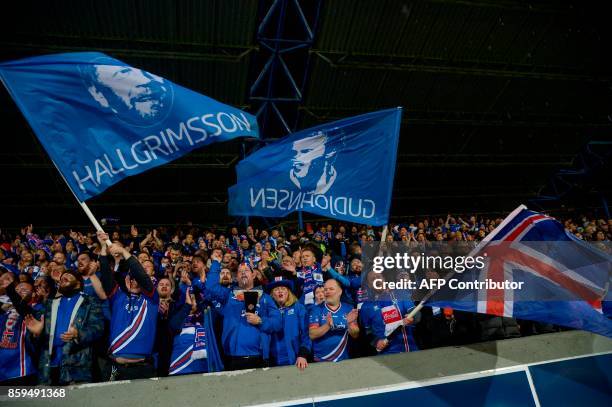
x=504, y=102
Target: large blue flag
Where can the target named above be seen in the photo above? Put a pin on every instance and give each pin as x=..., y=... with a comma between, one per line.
x=562, y=280
x=102, y=120
x=342, y=170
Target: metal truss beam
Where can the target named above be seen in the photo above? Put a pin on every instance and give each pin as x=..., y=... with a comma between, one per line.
x=551, y=8
x=280, y=43
x=462, y=118
x=381, y=62
x=190, y=51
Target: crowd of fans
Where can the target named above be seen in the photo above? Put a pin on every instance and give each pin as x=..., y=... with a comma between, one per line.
x=82, y=306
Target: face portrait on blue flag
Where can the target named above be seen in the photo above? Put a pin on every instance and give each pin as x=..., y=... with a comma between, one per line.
x=102, y=120
x=342, y=170
x=313, y=163
x=135, y=96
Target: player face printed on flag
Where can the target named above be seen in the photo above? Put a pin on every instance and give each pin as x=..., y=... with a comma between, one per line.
x=342, y=170
x=135, y=96
x=102, y=120
x=312, y=166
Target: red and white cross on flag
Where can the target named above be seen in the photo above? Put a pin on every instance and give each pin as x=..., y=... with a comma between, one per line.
x=514, y=247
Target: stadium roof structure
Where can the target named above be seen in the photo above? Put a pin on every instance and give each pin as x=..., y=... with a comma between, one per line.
x=505, y=102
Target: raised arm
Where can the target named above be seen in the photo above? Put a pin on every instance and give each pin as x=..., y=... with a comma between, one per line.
x=134, y=238
x=343, y=280
x=106, y=274
x=158, y=242
x=145, y=241
x=135, y=269
x=138, y=273
x=355, y=282
x=97, y=286
x=213, y=290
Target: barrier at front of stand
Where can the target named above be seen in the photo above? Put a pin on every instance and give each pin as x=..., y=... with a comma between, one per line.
x=567, y=368
x=570, y=382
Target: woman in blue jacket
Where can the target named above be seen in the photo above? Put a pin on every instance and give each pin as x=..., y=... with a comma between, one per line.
x=291, y=345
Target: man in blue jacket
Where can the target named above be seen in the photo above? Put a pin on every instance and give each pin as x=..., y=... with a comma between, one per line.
x=246, y=335
x=385, y=320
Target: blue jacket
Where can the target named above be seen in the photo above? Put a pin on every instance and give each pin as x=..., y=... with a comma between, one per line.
x=351, y=285
x=238, y=335
x=77, y=356
x=294, y=335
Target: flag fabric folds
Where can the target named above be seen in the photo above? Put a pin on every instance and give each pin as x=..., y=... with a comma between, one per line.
x=101, y=120
x=342, y=170
x=564, y=279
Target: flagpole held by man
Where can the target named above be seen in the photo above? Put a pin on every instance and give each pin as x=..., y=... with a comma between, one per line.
x=102, y=120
